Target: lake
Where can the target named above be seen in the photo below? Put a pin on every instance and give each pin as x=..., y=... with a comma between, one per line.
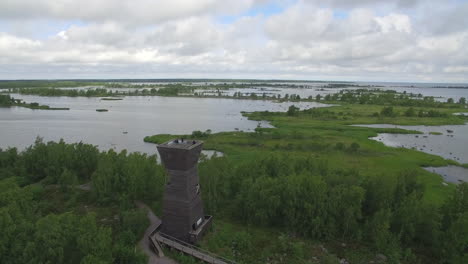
x=128, y=121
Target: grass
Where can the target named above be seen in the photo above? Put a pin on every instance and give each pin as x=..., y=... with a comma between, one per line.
x=102, y=110
x=159, y=139
x=435, y=133
x=111, y=99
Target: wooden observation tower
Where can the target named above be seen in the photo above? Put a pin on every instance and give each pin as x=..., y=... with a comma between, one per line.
x=183, y=216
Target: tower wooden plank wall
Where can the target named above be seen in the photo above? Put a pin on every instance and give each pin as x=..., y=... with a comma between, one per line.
x=182, y=204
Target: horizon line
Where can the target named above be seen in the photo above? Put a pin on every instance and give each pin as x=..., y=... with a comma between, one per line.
x=224, y=79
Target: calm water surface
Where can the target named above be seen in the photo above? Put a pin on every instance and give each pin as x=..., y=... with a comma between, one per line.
x=452, y=144
x=128, y=121
x=453, y=174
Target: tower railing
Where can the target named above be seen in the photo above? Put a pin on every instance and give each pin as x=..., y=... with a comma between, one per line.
x=192, y=250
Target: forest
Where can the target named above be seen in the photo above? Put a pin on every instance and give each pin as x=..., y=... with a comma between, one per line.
x=307, y=198
x=46, y=217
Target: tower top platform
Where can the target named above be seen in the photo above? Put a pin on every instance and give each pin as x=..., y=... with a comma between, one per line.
x=180, y=154
x=181, y=144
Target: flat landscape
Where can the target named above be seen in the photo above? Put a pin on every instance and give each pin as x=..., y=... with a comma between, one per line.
x=296, y=178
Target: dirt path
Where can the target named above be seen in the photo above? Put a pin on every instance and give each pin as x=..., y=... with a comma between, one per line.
x=144, y=243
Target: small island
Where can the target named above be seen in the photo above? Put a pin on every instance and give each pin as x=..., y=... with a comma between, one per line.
x=102, y=110
x=8, y=101
x=111, y=99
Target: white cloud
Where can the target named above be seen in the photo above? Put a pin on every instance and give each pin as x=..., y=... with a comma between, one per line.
x=181, y=38
x=299, y=22
x=9, y=42
x=394, y=22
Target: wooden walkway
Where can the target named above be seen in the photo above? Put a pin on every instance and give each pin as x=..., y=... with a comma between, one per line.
x=188, y=249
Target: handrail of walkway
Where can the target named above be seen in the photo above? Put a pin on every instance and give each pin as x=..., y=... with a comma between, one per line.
x=205, y=255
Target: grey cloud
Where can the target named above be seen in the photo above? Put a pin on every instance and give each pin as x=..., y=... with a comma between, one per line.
x=130, y=11
x=304, y=41
x=350, y=4
x=443, y=19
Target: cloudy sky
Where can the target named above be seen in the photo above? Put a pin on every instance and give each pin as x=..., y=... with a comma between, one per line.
x=368, y=40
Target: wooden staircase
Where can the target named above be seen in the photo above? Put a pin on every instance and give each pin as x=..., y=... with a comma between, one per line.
x=158, y=239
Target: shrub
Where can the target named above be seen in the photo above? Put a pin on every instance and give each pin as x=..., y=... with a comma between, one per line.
x=354, y=147
x=292, y=110
x=339, y=146
x=387, y=111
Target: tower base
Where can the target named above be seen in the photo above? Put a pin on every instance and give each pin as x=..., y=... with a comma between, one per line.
x=195, y=235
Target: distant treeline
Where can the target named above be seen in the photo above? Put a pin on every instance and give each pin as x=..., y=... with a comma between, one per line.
x=358, y=96
x=100, y=81
x=45, y=83
x=389, y=97
x=169, y=90
x=145, y=83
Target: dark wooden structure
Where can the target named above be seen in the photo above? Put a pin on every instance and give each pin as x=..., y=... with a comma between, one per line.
x=183, y=217
x=157, y=240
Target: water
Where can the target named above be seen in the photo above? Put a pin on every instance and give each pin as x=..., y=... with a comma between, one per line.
x=453, y=174
x=128, y=121
x=452, y=144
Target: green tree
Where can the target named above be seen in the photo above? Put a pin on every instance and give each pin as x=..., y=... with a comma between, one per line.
x=410, y=112
x=387, y=111
x=455, y=241
x=292, y=110
x=354, y=147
